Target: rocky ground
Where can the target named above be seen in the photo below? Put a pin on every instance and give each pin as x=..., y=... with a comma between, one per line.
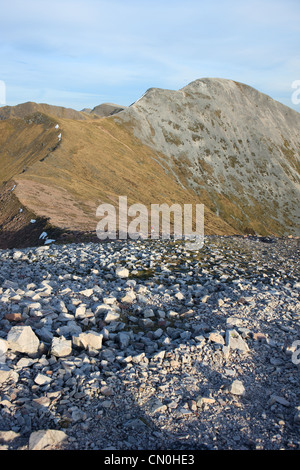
x=145, y=345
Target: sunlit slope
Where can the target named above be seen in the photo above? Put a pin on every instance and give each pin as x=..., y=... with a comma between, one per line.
x=97, y=161
x=24, y=110
x=25, y=141
x=237, y=148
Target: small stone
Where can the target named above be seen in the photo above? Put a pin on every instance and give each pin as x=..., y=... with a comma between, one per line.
x=297, y=415
x=89, y=339
x=157, y=406
x=124, y=339
x=5, y=373
x=216, y=338
x=106, y=391
x=233, y=321
x=235, y=341
x=259, y=337
x=11, y=317
x=87, y=292
x=278, y=399
x=42, y=402
x=237, y=388
x=80, y=312
x=158, y=333
x=61, y=347
x=3, y=347
x=111, y=316
x=122, y=272
x=17, y=255
x=8, y=436
x=172, y=314
x=42, y=379
x=46, y=439
x=204, y=401
x=179, y=296
x=128, y=298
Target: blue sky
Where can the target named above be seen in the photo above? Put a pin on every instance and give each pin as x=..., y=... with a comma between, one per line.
x=80, y=53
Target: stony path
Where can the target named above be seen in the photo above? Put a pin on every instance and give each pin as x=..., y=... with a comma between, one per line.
x=145, y=345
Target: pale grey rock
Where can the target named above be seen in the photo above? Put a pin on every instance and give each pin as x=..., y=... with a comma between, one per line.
x=216, y=337
x=47, y=439
x=61, y=347
x=5, y=373
x=25, y=362
x=124, y=339
x=88, y=339
x=80, y=312
x=122, y=272
x=3, y=350
x=87, y=292
x=237, y=388
x=233, y=130
x=129, y=297
x=111, y=317
x=148, y=313
x=235, y=341
x=8, y=436
x=179, y=296
x=231, y=322
x=42, y=379
x=158, y=407
x=23, y=339
x=109, y=300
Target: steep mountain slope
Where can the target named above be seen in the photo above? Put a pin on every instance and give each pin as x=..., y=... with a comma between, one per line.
x=87, y=163
x=236, y=147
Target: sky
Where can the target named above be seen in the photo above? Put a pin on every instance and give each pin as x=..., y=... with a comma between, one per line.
x=81, y=53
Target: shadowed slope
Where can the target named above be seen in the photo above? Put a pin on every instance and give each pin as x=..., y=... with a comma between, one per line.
x=97, y=162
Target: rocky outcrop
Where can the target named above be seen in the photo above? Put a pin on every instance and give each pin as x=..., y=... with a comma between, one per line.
x=236, y=147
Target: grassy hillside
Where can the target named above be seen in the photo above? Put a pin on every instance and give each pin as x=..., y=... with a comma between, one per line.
x=62, y=181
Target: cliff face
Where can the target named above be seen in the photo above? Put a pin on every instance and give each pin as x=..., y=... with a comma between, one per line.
x=236, y=147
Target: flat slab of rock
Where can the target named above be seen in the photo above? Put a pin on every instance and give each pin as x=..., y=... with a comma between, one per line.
x=48, y=439
x=61, y=347
x=234, y=341
x=90, y=339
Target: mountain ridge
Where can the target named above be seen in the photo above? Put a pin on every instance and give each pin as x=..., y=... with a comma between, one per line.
x=221, y=128
x=215, y=141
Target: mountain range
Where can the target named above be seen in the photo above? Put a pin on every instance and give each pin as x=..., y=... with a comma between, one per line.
x=217, y=142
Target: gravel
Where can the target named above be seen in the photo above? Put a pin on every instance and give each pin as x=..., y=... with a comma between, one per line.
x=144, y=345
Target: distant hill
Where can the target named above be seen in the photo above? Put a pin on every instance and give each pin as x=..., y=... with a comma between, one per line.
x=25, y=109
x=107, y=109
